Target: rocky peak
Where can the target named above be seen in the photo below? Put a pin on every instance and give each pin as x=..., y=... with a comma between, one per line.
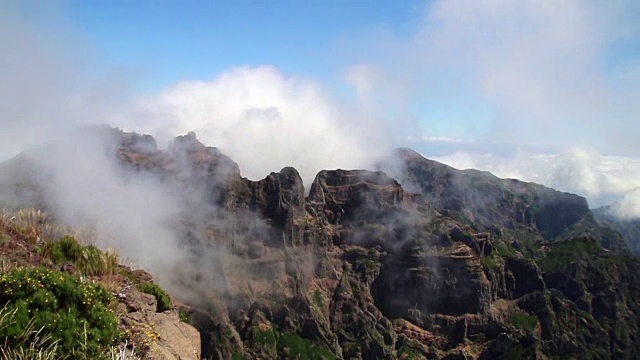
x=280, y=198
x=347, y=192
x=186, y=144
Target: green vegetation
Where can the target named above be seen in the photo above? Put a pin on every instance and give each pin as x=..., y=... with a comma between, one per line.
x=238, y=356
x=524, y=322
x=409, y=349
x=407, y=353
x=289, y=345
x=89, y=260
x=30, y=344
x=489, y=262
x=184, y=315
x=164, y=303
x=317, y=299
x=505, y=250
x=267, y=337
x=58, y=310
x=564, y=252
x=297, y=347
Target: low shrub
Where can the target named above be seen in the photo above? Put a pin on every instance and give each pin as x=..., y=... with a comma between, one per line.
x=32, y=343
x=164, y=303
x=75, y=315
x=565, y=252
x=67, y=249
x=524, y=322
x=89, y=260
x=489, y=262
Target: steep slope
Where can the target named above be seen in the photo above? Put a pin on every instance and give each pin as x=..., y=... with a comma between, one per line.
x=628, y=228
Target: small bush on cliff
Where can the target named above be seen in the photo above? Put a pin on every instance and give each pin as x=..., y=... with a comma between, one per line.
x=164, y=303
x=524, y=322
x=89, y=260
x=489, y=262
x=74, y=315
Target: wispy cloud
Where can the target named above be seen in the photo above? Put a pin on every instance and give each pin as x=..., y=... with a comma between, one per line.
x=551, y=72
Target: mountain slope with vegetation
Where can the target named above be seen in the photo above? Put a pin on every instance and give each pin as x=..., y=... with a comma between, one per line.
x=464, y=266
x=64, y=300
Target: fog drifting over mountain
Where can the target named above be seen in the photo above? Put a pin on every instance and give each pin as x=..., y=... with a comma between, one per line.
x=536, y=65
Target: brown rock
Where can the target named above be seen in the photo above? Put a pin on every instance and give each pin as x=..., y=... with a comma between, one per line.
x=176, y=340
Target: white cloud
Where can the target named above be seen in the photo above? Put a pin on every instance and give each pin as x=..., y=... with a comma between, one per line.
x=629, y=206
x=364, y=80
x=264, y=121
x=551, y=72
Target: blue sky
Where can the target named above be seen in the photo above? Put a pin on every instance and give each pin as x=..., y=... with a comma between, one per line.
x=476, y=83
x=172, y=41
x=428, y=54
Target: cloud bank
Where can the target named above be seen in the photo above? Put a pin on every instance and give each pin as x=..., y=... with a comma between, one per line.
x=542, y=91
x=265, y=121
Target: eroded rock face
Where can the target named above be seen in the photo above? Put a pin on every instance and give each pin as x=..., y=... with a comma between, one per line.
x=280, y=199
x=355, y=195
x=176, y=340
x=163, y=334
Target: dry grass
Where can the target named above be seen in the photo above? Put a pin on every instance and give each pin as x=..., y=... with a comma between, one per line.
x=6, y=266
x=123, y=352
x=32, y=344
x=36, y=226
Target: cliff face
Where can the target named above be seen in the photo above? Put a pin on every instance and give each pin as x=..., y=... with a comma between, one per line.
x=470, y=266
x=628, y=228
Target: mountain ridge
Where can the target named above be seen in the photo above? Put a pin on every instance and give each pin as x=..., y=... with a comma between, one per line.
x=467, y=266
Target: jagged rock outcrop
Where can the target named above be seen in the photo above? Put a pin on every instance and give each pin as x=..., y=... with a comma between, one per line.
x=350, y=195
x=280, y=198
x=165, y=335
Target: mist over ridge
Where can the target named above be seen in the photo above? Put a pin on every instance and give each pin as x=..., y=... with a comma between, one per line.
x=413, y=179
